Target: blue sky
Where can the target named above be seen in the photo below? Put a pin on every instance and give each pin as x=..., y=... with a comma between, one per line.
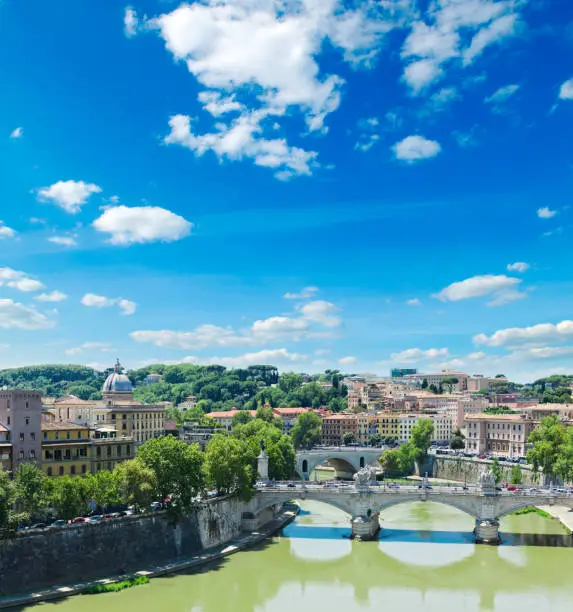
x=402, y=169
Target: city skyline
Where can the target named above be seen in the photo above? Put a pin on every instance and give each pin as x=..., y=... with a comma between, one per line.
x=320, y=185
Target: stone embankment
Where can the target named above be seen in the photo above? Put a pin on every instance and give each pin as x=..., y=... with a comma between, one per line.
x=465, y=469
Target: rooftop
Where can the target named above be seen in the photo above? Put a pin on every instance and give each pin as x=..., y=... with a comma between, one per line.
x=287, y=411
x=493, y=417
x=63, y=426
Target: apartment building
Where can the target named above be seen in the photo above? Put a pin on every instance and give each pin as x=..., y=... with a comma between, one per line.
x=289, y=416
x=501, y=434
x=436, y=378
x=21, y=420
x=65, y=449
x=442, y=426
x=335, y=426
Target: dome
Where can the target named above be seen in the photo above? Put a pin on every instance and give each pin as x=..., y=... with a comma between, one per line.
x=117, y=381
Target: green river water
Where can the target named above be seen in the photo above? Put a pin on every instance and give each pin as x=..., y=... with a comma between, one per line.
x=425, y=559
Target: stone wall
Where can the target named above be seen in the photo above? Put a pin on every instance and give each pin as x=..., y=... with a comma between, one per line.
x=79, y=552
x=467, y=470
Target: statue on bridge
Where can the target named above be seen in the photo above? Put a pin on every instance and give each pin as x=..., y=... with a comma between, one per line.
x=487, y=483
x=363, y=477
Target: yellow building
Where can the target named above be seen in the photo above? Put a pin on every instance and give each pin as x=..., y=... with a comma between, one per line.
x=107, y=450
x=388, y=424
x=65, y=449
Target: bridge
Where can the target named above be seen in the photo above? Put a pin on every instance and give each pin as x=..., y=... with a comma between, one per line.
x=345, y=460
x=364, y=501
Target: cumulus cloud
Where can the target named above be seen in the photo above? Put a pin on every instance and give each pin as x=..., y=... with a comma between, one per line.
x=17, y=133
x=543, y=333
x=566, y=90
x=130, y=22
x=415, y=355
x=93, y=300
x=303, y=294
x=63, y=240
x=546, y=213
x=142, y=224
x=5, y=231
x=518, y=266
x=69, y=195
x=52, y=296
x=350, y=360
x=501, y=287
x=413, y=302
x=321, y=312
x=89, y=346
x=19, y=280
x=264, y=357
x=14, y=315
x=415, y=148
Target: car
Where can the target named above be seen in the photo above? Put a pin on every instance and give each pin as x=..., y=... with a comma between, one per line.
x=291, y=485
x=96, y=518
x=79, y=520
x=59, y=523
x=38, y=526
x=155, y=506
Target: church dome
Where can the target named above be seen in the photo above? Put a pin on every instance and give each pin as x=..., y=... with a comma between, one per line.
x=117, y=381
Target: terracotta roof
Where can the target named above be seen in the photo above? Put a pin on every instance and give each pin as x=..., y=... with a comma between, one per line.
x=170, y=425
x=228, y=414
x=63, y=426
x=288, y=411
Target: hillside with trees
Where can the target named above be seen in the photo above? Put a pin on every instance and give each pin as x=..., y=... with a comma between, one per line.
x=215, y=387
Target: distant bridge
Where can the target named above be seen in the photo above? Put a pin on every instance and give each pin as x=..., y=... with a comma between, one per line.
x=346, y=460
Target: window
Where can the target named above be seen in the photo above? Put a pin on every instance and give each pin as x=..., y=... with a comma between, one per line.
x=57, y=435
x=68, y=454
x=21, y=437
x=27, y=406
x=49, y=471
x=48, y=454
x=124, y=416
x=61, y=470
x=32, y=454
x=33, y=436
x=27, y=419
x=79, y=435
x=84, y=469
x=123, y=426
x=73, y=469
x=68, y=435
x=128, y=449
x=98, y=451
x=58, y=455
x=45, y=435
x=109, y=451
x=8, y=417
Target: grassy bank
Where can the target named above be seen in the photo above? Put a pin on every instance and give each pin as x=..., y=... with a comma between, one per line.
x=533, y=510
x=113, y=587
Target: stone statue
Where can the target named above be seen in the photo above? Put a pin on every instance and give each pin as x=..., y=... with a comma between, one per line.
x=262, y=446
x=487, y=482
x=363, y=477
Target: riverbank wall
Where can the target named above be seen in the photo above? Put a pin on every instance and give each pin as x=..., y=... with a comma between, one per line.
x=465, y=469
x=78, y=552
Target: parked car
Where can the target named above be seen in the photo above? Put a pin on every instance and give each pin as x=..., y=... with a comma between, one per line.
x=78, y=520
x=156, y=506
x=96, y=518
x=59, y=523
x=38, y=526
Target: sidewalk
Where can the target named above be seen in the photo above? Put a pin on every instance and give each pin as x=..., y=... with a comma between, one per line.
x=562, y=513
x=202, y=558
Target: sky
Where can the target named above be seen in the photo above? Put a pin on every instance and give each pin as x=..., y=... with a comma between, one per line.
x=306, y=183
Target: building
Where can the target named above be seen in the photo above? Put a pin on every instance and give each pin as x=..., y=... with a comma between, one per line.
x=65, y=449
x=437, y=378
x=442, y=426
x=504, y=435
x=106, y=450
x=190, y=402
x=5, y=449
x=400, y=372
x=21, y=418
x=225, y=417
x=477, y=382
x=289, y=416
x=335, y=426
x=152, y=379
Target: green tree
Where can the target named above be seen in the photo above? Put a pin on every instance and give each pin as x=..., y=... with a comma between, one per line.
x=548, y=441
x=70, y=497
x=32, y=490
x=496, y=470
x=375, y=440
x=178, y=469
x=564, y=464
x=104, y=488
x=241, y=417
x=421, y=439
x=137, y=483
x=307, y=430
x=229, y=466
x=457, y=441
x=265, y=413
x=516, y=475
x=398, y=462
x=450, y=383
x=8, y=518
x=425, y=383
x=290, y=381
x=348, y=438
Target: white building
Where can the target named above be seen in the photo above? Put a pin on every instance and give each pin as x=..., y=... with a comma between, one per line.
x=436, y=378
x=442, y=426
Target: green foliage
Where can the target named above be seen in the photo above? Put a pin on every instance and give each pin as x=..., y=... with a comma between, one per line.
x=421, y=438
x=398, y=462
x=178, y=469
x=450, y=383
x=290, y=382
x=229, y=465
x=114, y=587
x=241, y=417
x=375, y=440
x=496, y=470
x=8, y=518
x=70, y=496
x=425, y=383
x=533, y=510
x=32, y=490
x=499, y=410
x=306, y=432
x=548, y=442
x=137, y=483
x=457, y=441
x=516, y=475
x=348, y=438
x=104, y=488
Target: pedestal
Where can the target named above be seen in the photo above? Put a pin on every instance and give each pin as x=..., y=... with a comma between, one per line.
x=263, y=466
x=365, y=527
x=487, y=531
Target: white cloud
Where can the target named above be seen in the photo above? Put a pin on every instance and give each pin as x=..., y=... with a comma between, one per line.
x=366, y=142
x=89, y=346
x=303, y=294
x=99, y=301
x=19, y=280
x=141, y=224
x=416, y=148
x=518, y=266
x=443, y=98
x=347, y=360
x=17, y=133
x=501, y=287
x=542, y=333
x=467, y=139
x=264, y=357
x=52, y=296
x=5, y=231
x=502, y=94
x=506, y=296
x=415, y=355
x=546, y=213
x=566, y=90
x=321, y=312
x=63, y=240
x=545, y=352
x=14, y=315
x=201, y=337
x=421, y=74
x=496, y=32
x=69, y=195
x=130, y=22
x=477, y=356
x=413, y=302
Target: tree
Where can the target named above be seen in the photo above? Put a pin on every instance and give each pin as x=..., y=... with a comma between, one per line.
x=241, y=417
x=457, y=441
x=265, y=413
x=290, y=381
x=137, y=483
x=496, y=470
x=70, y=497
x=178, y=469
x=375, y=440
x=450, y=383
x=8, y=519
x=32, y=490
x=398, y=462
x=348, y=438
x=307, y=430
x=421, y=439
x=104, y=488
x=548, y=442
x=229, y=466
x=516, y=475
x=564, y=463
x=425, y=383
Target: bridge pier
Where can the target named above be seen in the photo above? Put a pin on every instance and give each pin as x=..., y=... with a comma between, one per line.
x=487, y=531
x=365, y=527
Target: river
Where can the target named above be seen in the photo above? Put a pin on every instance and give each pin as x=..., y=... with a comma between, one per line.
x=424, y=560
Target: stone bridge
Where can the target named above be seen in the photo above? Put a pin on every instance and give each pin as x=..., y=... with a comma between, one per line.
x=364, y=502
x=346, y=460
